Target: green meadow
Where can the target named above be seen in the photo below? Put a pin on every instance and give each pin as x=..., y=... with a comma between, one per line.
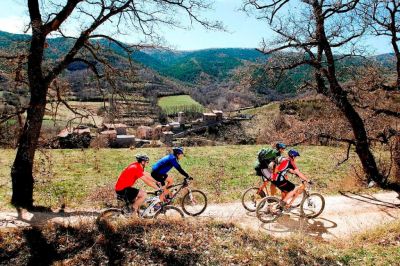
x=86, y=178
x=181, y=103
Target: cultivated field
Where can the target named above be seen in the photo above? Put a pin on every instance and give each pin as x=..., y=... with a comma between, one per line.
x=85, y=178
x=181, y=103
x=60, y=115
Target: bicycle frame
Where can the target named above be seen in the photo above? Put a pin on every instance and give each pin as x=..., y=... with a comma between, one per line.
x=153, y=201
x=263, y=186
x=302, y=189
x=184, y=184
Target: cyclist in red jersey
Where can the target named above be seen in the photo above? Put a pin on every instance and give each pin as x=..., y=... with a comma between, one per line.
x=128, y=178
x=279, y=178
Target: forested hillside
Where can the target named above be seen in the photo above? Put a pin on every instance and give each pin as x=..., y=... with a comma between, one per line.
x=226, y=78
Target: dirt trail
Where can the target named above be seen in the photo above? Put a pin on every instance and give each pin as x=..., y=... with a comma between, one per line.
x=343, y=215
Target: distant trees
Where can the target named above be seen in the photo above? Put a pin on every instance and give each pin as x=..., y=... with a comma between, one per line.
x=321, y=34
x=82, y=22
x=383, y=17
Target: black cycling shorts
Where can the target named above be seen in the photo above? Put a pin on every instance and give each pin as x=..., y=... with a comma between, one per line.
x=284, y=184
x=129, y=193
x=159, y=177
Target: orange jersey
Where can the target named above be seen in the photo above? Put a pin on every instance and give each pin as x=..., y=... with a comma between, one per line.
x=129, y=175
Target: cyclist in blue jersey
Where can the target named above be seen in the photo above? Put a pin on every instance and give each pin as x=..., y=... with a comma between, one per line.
x=161, y=168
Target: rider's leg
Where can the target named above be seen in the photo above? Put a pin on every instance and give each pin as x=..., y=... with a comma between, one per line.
x=273, y=189
x=295, y=194
x=139, y=200
x=283, y=194
x=168, y=182
x=288, y=196
x=298, y=190
x=289, y=188
x=266, y=176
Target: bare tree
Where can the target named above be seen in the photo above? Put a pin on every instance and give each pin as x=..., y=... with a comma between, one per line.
x=320, y=33
x=82, y=22
x=384, y=19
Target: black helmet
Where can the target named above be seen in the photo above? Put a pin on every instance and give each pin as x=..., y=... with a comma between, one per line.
x=280, y=145
x=177, y=150
x=142, y=157
x=293, y=153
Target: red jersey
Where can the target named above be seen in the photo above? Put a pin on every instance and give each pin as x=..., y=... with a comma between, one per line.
x=283, y=167
x=129, y=175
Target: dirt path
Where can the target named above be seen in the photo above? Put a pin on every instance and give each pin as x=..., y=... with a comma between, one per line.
x=343, y=215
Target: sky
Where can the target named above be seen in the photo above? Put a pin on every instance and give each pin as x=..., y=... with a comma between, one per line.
x=243, y=31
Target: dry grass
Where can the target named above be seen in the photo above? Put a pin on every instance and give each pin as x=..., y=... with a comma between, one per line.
x=149, y=242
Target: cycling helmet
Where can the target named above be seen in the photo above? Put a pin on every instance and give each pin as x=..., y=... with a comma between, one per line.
x=177, y=150
x=293, y=153
x=142, y=157
x=280, y=146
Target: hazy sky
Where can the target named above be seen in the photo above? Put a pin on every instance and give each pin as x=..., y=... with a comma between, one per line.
x=243, y=31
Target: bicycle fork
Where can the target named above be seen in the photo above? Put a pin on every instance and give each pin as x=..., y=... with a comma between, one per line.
x=191, y=198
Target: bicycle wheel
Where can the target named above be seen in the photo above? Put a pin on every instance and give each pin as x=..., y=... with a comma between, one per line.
x=194, y=202
x=110, y=215
x=268, y=209
x=251, y=197
x=312, y=205
x=169, y=212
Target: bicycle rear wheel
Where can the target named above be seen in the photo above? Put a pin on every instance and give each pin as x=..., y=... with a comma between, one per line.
x=169, y=212
x=312, y=205
x=194, y=202
x=268, y=209
x=251, y=197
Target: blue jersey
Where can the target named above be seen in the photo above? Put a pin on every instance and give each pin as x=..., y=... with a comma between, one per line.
x=166, y=163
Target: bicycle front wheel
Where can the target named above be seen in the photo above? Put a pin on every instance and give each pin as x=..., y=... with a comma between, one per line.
x=251, y=197
x=194, y=202
x=268, y=210
x=312, y=205
x=169, y=212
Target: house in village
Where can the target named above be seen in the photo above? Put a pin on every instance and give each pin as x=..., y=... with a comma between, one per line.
x=77, y=137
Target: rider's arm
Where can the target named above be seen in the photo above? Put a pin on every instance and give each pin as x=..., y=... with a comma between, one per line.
x=149, y=180
x=179, y=168
x=299, y=174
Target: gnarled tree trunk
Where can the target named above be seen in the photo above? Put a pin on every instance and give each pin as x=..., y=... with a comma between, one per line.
x=21, y=172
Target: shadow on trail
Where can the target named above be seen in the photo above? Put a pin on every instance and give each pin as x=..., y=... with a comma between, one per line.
x=369, y=199
x=316, y=227
x=40, y=216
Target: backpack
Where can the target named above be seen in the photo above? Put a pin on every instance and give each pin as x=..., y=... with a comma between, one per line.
x=266, y=155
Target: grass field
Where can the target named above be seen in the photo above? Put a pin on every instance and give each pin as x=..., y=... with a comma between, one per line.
x=64, y=114
x=86, y=177
x=181, y=103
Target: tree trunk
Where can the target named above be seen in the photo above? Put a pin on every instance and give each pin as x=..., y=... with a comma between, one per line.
x=21, y=172
x=339, y=97
x=397, y=55
x=396, y=159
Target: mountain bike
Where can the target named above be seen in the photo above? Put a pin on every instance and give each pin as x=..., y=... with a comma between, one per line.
x=193, y=202
x=311, y=205
x=254, y=195
x=152, y=207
